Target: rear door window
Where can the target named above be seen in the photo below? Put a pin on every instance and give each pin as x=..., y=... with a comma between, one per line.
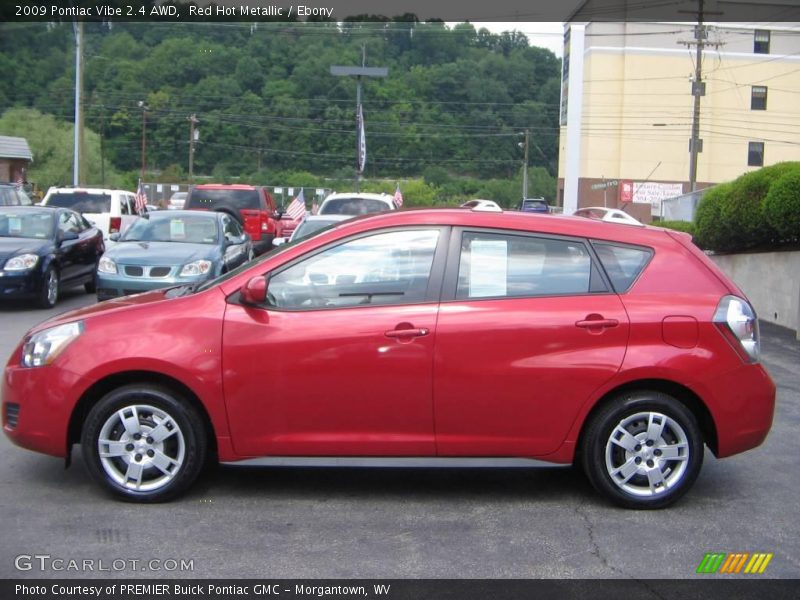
x=495, y=265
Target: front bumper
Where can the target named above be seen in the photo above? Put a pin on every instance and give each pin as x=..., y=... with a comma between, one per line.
x=24, y=284
x=37, y=405
x=115, y=285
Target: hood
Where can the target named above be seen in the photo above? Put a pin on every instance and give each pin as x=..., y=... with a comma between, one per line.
x=160, y=253
x=101, y=308
x=12, y=246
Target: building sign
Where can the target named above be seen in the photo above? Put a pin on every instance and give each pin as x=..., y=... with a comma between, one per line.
x=648, y=192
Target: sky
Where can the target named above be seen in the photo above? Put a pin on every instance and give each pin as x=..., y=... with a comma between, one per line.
x=545, y=35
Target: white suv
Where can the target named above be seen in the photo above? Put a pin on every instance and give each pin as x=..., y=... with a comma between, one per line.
x=356, y=204
x=111, y=211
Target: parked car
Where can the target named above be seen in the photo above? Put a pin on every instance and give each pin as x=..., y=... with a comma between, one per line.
x=537, y=205
x=610, y=215
x=177, y=201
x=44, y=250
x=111, y=211
x=432, y=333
x=251, y=205
x=356, y=204
x=170, y=248
x=311, y=225
x=485, y=205
x=12, y=194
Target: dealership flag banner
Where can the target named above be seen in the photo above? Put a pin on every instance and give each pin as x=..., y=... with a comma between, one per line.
x=398, y=196
x=140, y=203
x=297, y=207
x=362, y=141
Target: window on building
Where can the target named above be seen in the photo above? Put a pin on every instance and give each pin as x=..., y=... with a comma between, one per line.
x=758, y=97
x=755, y=154
x=761, y=41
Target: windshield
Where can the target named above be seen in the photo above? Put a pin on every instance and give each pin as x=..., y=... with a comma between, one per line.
x=191, y=229
x=352, y=206
x=82, y=202
x=26, y=225
x=309, y=228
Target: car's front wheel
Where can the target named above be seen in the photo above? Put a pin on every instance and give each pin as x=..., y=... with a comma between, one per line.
x=48, y=296
x=144, y=443
x=642, y=450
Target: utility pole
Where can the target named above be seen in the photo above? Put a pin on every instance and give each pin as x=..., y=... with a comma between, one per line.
x=359, y=72
x=526, y=133
x=144, y=108
x=698, y=90
x=77, y=163
x=192, y=137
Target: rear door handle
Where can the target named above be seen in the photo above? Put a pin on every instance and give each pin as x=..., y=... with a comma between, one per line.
x=597, y=323
x=406, y=333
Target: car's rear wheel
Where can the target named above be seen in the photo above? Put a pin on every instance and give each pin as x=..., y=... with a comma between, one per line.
x=642, y=450
x=144, y=443
x=91, y=285
x=49, y=293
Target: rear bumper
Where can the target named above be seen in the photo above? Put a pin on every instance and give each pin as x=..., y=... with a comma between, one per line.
x=264, y=244
x=743, y=406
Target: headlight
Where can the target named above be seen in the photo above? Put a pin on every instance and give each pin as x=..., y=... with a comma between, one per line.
x=21, y=262
x=43, y=347
x=106, y=265
x=198, y=267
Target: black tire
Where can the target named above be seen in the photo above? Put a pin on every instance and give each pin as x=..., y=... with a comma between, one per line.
x=139, y=467
x=91, y=285
x=656, y=452
x=48, y=296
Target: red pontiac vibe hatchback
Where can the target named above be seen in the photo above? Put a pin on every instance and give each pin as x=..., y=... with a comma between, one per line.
x=444, y=334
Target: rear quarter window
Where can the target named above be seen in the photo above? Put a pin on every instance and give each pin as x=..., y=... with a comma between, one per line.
x=623, y=264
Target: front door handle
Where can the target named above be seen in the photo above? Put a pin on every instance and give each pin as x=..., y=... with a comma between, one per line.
x=407, y=333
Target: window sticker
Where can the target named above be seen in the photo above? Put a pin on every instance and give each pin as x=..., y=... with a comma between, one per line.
x=488, y=268
x=177, y=229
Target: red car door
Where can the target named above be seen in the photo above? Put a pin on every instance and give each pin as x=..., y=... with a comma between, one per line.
x=527, y=334
x=339, y=362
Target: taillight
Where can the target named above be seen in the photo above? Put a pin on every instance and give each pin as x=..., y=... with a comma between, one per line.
x=264, y=221
x=114, y=224
x=737, y=322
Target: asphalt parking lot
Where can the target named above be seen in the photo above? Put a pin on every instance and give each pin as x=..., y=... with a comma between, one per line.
x=401, y=523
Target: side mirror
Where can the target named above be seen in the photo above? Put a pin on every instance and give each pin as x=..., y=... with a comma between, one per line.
x=65, y=236
x=114, y=237
x=254, y=292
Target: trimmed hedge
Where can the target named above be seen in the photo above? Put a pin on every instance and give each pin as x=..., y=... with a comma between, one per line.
x=734, y=216
x=684, y=226
x=782, y=207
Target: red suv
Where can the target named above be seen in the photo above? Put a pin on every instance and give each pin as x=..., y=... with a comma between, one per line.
x=251, y=205
x=448, y=334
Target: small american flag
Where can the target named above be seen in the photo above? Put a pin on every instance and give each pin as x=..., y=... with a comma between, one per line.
x=398, y=196
x=297, y=207
x=140, y=202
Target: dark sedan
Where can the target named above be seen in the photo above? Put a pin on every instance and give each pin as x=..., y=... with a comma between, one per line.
x=44, y=250
x=170, y=248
